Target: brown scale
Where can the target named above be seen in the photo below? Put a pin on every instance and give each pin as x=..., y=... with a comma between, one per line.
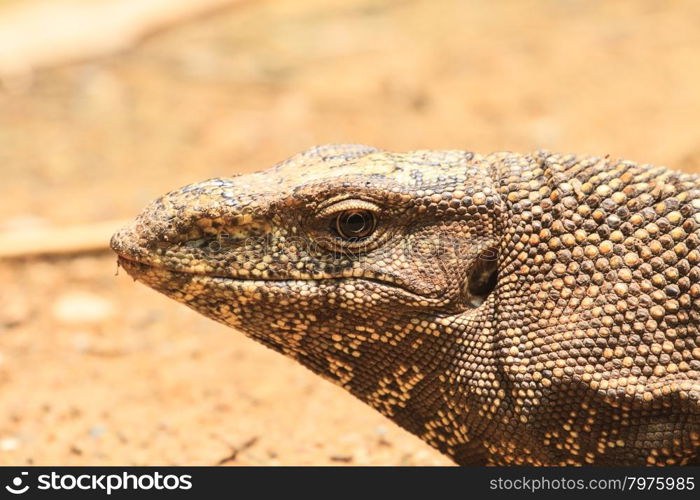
x=508, y=309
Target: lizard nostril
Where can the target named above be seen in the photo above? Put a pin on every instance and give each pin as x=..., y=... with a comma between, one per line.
x=483, y=277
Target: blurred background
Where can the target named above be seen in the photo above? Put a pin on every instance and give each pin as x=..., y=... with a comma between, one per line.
x=107, y=104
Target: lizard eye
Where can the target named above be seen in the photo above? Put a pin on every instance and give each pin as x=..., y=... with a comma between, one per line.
x=355, y=225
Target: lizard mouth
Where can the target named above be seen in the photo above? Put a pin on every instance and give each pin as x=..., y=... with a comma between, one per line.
x=147, y=272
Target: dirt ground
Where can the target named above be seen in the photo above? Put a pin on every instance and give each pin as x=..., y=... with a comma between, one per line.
x=95, y=369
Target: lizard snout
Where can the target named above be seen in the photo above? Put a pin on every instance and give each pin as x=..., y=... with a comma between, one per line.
x=125, y=242
x=203, y=228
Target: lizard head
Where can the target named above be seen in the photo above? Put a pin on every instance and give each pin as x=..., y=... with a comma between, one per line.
x=361, y=264
x=380, y=271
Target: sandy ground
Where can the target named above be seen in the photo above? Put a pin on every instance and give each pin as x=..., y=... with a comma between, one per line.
x=95, y=369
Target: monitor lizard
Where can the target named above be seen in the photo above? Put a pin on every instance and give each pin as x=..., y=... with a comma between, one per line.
x=534, y=309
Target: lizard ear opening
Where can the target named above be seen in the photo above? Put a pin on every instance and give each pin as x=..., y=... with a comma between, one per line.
x=482, y=277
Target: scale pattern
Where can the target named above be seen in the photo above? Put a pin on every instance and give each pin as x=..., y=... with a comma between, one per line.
x=537, y=309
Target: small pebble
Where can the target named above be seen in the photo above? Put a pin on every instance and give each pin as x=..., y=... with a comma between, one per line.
x=82, y=307
x=9, y=444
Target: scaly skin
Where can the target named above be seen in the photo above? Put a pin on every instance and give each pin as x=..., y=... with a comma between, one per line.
x=508, y=309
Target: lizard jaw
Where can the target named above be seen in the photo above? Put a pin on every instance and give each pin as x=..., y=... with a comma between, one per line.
x=152, y=275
